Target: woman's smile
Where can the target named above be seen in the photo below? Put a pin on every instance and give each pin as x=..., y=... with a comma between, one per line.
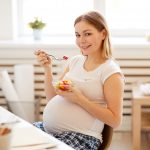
x=85, y=47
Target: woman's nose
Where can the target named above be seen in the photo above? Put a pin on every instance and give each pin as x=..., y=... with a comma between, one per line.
x=82, y=39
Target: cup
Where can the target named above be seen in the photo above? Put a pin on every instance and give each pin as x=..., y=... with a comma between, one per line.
x=5, y=138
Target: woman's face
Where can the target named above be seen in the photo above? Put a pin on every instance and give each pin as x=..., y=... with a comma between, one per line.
x=88, y=38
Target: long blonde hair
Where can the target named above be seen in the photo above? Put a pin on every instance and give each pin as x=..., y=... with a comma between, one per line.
x=97, y=20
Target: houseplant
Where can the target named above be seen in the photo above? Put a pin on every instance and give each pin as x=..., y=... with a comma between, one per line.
x=37, y=25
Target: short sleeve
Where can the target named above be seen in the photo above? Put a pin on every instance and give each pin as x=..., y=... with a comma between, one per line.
x=110, y=69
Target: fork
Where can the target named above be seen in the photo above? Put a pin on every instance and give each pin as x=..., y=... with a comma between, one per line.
x=59, y=59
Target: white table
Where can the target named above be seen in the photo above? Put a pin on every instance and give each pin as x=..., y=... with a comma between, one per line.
x=27, y=132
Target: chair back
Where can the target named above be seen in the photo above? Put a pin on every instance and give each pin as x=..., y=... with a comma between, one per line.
x=107, y=134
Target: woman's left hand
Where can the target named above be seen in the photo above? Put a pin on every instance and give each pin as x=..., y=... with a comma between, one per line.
x=73, y=94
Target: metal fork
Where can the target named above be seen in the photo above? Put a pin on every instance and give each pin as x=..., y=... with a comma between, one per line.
x=59, y=59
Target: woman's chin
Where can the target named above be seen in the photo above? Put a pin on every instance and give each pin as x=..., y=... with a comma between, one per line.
x=85, y=52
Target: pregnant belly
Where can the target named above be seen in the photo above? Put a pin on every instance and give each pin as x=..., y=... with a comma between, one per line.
x=61, y=115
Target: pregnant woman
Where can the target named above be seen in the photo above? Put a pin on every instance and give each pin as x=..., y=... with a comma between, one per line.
x=77, y=115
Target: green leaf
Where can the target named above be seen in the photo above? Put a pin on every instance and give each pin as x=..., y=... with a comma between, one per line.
x=37, y=24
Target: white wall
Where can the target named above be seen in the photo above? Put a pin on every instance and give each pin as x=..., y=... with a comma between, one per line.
x=7, y=16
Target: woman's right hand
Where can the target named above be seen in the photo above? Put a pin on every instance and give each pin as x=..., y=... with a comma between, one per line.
x=43, y=58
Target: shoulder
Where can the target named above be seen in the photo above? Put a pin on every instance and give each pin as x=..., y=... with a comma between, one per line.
x=110, y=68
x=111, y=65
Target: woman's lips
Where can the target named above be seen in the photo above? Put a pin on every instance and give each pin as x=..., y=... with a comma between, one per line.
x=85, y=47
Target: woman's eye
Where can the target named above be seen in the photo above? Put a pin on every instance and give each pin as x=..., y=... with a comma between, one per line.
x=87, y=34
x=77, y=35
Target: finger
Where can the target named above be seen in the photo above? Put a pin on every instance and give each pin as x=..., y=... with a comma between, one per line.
x=44, y=56
x=41, y=56
x=71, y=87
x=38, y=52
x=43, y=61
x=74, y=89
x=59, y=92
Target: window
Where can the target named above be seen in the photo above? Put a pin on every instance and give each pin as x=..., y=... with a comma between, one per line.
x=58, y=15
x=128, y=16
x=124, y=17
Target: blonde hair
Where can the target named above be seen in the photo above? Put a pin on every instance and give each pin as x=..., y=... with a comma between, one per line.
x=97, y=20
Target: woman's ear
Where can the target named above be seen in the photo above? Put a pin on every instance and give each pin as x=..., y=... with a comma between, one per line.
x=103, y=34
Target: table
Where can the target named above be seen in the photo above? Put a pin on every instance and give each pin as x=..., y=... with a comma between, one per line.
x=24, y=129
x=140, y=119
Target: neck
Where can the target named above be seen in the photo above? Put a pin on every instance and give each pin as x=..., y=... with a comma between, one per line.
x=96, y=59
x=92, y=62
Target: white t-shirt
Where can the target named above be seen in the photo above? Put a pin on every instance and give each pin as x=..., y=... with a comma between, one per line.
x=62, y=115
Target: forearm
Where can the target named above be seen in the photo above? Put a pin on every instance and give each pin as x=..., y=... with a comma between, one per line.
x=49, y=89
x=100, y=112
x=45, y=61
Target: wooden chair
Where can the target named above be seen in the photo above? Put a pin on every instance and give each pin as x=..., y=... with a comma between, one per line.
x=107, y=134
